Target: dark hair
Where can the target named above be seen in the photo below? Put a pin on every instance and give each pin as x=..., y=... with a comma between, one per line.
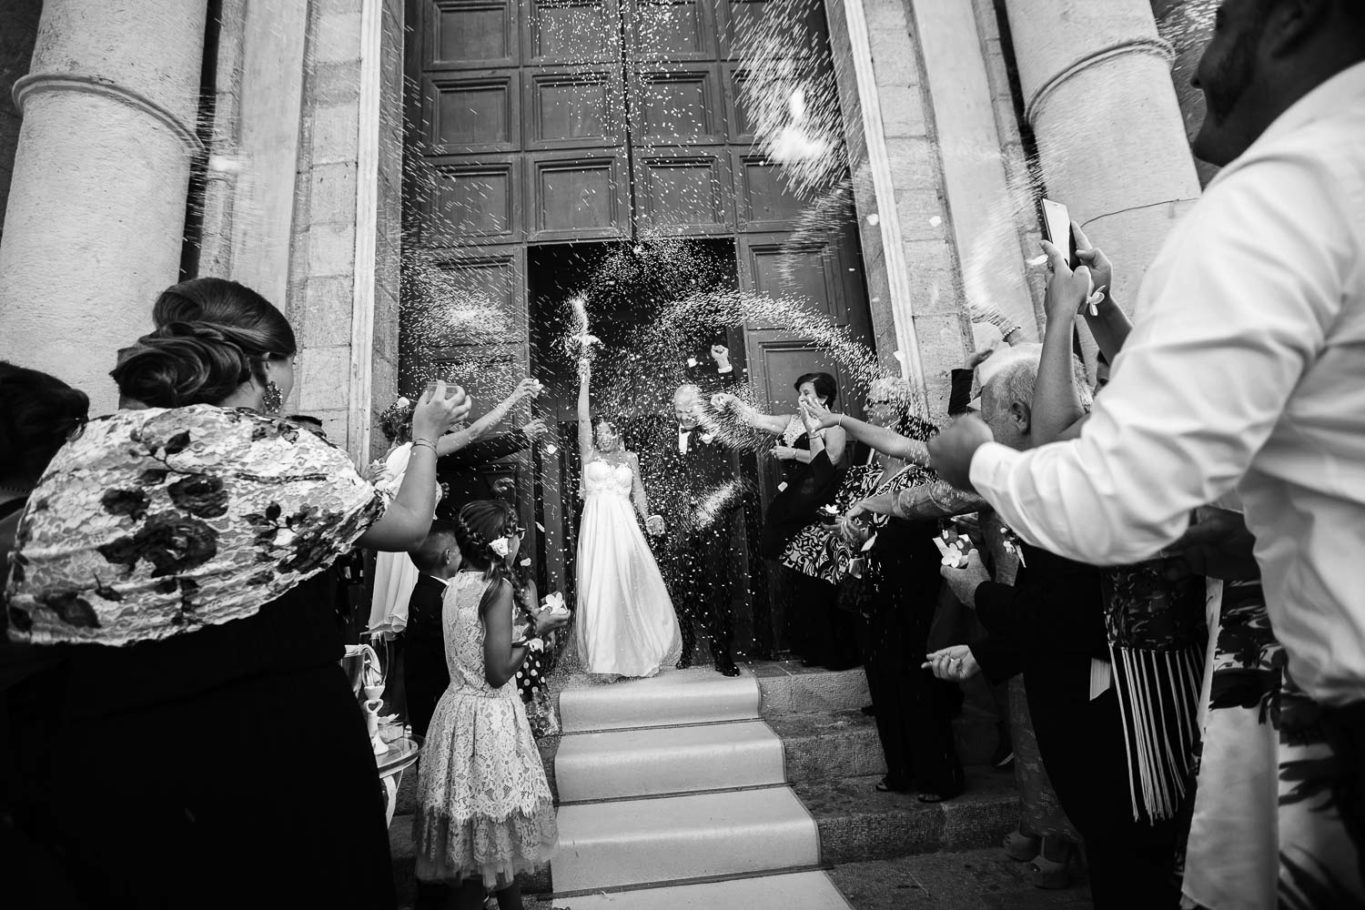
x=427, y=556
x=305, y=418
x=479, y=524
x=396, y=421
x=38, y=413
x=223, y=302
x=825, y=386
x=211, y=337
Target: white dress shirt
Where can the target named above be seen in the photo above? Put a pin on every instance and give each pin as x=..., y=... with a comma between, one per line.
x=1245, y=369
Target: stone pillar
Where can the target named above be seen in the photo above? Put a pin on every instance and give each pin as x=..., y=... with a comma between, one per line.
x=95, y=221
x=1097, y=90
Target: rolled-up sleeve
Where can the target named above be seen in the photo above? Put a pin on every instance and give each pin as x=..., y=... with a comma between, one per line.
x=1229, y=317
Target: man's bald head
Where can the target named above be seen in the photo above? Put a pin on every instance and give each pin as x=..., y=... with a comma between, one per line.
x=687, y=405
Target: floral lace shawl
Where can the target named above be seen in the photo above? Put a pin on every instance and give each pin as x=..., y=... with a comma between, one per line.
x=157, y=522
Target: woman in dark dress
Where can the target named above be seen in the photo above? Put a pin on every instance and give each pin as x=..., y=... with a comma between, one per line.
x=813, y=468
x=896, y=594
x=204, y=747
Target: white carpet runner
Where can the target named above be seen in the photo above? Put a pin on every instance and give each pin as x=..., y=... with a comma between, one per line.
x=673, y=795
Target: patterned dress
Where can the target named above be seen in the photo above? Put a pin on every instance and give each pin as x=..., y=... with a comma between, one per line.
x=484, y=807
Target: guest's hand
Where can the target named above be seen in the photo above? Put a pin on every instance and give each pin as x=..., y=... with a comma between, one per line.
x=784, y=453
x=377, y=472
x=655, y=526
x=724, y=401
x=955, y=664
x=979, y=358
x=1093, y=258
x=721, y=355
x=438, y=409
x=547, y=621
x=535, y=429
x=963, y=582
x=1067, y=291
x=1218, y=546
x=815, y=412
x=950, y=452
x=528, y=388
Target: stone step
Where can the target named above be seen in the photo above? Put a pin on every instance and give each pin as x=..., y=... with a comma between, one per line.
x=674, y=697
x=675, y=838
x=654, y=761
x=789, y=688
x=825, y=746
x=790, y=891
x=858, y=823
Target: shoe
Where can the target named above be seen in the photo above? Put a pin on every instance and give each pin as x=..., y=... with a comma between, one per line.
x=1052, y=873
x=1022, y=847
x=1004, y=762
x=1048, y=874
x=887, y=785
x=727, y=669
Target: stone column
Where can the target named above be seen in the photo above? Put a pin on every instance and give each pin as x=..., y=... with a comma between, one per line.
x=95, y=221
x=1097, y=90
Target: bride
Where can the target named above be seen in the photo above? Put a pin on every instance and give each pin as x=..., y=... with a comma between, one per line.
x=626, y=625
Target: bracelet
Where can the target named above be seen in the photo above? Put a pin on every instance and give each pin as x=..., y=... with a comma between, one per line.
x=840, y=422
x=424, y=442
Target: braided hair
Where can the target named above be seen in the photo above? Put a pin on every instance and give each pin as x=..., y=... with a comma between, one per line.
x=478, y=525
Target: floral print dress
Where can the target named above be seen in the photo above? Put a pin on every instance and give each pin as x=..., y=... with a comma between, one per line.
x=160, y=521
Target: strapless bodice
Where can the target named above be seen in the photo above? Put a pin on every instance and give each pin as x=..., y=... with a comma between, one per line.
x=602, y=477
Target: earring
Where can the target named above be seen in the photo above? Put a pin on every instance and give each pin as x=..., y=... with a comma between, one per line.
x=274, y=399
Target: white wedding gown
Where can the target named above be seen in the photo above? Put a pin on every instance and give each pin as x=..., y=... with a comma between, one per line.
x=625, y=621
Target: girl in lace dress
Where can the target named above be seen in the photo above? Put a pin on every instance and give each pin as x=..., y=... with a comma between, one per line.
x=484, y=809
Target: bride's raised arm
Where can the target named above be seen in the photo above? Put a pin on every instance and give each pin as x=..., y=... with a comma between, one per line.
x=584, y=410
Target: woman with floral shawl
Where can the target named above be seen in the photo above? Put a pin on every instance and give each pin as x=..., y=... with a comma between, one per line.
x=173, y=555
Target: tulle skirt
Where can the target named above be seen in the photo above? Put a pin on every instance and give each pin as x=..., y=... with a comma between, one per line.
x=625, y=621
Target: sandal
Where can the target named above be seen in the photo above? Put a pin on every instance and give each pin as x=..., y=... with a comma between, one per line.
x=886, y=786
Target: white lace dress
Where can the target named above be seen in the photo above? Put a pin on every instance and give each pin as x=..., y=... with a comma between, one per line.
x=484, y=807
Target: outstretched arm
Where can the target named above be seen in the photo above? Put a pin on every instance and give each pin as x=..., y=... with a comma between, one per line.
x=886, y=441
x=750, y=415
x=584, y=410
x=453, y=442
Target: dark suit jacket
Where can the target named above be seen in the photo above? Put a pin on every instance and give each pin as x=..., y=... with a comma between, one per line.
x=424, y=658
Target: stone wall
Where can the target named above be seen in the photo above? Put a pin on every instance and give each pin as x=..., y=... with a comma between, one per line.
x=912, y=266
x=18, y=30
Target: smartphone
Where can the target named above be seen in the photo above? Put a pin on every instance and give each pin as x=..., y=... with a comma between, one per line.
x=1057, y=230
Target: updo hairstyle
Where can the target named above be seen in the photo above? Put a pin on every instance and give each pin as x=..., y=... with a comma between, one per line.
x=211, y=336
x=38, y=413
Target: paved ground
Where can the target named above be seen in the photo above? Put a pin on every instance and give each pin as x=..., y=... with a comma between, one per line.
x=971, y=880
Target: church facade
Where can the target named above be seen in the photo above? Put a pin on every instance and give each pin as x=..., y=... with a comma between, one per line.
x=266, y=141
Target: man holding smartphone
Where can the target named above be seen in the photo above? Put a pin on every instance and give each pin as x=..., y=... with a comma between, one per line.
x=1245, y=371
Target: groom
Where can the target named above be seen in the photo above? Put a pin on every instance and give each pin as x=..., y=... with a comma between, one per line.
x=697, y=491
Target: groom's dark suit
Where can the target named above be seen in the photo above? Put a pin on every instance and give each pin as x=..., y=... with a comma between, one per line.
x=686, y=487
